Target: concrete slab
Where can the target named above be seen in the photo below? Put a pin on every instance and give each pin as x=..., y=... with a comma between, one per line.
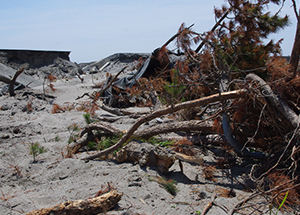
x=6, y=73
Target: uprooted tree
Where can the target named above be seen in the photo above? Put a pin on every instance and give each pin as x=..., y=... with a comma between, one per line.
x=251, y=91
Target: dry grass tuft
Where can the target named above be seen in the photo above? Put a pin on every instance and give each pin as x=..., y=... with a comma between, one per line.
x=217, y=126
x=29, y=107
x=88, y=107
x=183, y=146
x=60, y=109
x=57, y=109
x=283, y=183
x=5, y=197
x=208, y=172
x=51, y=78
x=226, y=193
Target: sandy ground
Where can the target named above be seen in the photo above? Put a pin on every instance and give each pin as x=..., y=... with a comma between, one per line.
x=26, y=185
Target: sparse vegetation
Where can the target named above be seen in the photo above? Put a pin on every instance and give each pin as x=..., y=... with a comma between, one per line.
x=87, y=118
x=36, y=149
x=168, y=185
x=57, y=138
x=29, y=107
x=285, y=193
x=74, y=132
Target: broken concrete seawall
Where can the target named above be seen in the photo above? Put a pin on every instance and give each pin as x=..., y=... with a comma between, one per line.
x=33, y=58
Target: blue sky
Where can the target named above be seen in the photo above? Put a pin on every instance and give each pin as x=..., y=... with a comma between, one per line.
x=95, y=29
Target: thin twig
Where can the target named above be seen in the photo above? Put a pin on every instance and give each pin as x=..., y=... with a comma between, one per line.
x=209, y=205
x=281, y=156
x=258, y=123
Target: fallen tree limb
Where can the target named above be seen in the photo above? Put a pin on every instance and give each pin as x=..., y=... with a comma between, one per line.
x=106, y=128
x=122, y=112
x=95, y=205
x=214, y=28
x=13, y=80
x=184, y=105
x=197, y=139
x=192, y=125
x=106, y=87
x=276, y=101
x=209, y=205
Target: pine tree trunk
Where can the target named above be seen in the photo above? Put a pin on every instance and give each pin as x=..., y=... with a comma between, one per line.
x=293, y=64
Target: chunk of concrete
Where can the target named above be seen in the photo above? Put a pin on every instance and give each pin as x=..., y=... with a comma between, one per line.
x=6, y=73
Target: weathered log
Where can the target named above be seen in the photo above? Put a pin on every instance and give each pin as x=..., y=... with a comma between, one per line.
x=95, y=205
x=276, y=101
x=197, y=102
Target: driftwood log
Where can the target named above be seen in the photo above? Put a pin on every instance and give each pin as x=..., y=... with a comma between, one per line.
x=94, y=205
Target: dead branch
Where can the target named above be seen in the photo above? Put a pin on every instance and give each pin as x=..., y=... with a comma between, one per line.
x=95, y=205
x=102, y=127
x=122, y=112
x=209, y=205
x=189, y=159
x=172, y=109
x=109, y=119
x=276, y=101
x=281, y=156
x=197, y=139
x=13, y=80
x=113, y=80
x=174, y=37
x=192, y=125
x=214, y=28
x=105, y=88
x=107, y=129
